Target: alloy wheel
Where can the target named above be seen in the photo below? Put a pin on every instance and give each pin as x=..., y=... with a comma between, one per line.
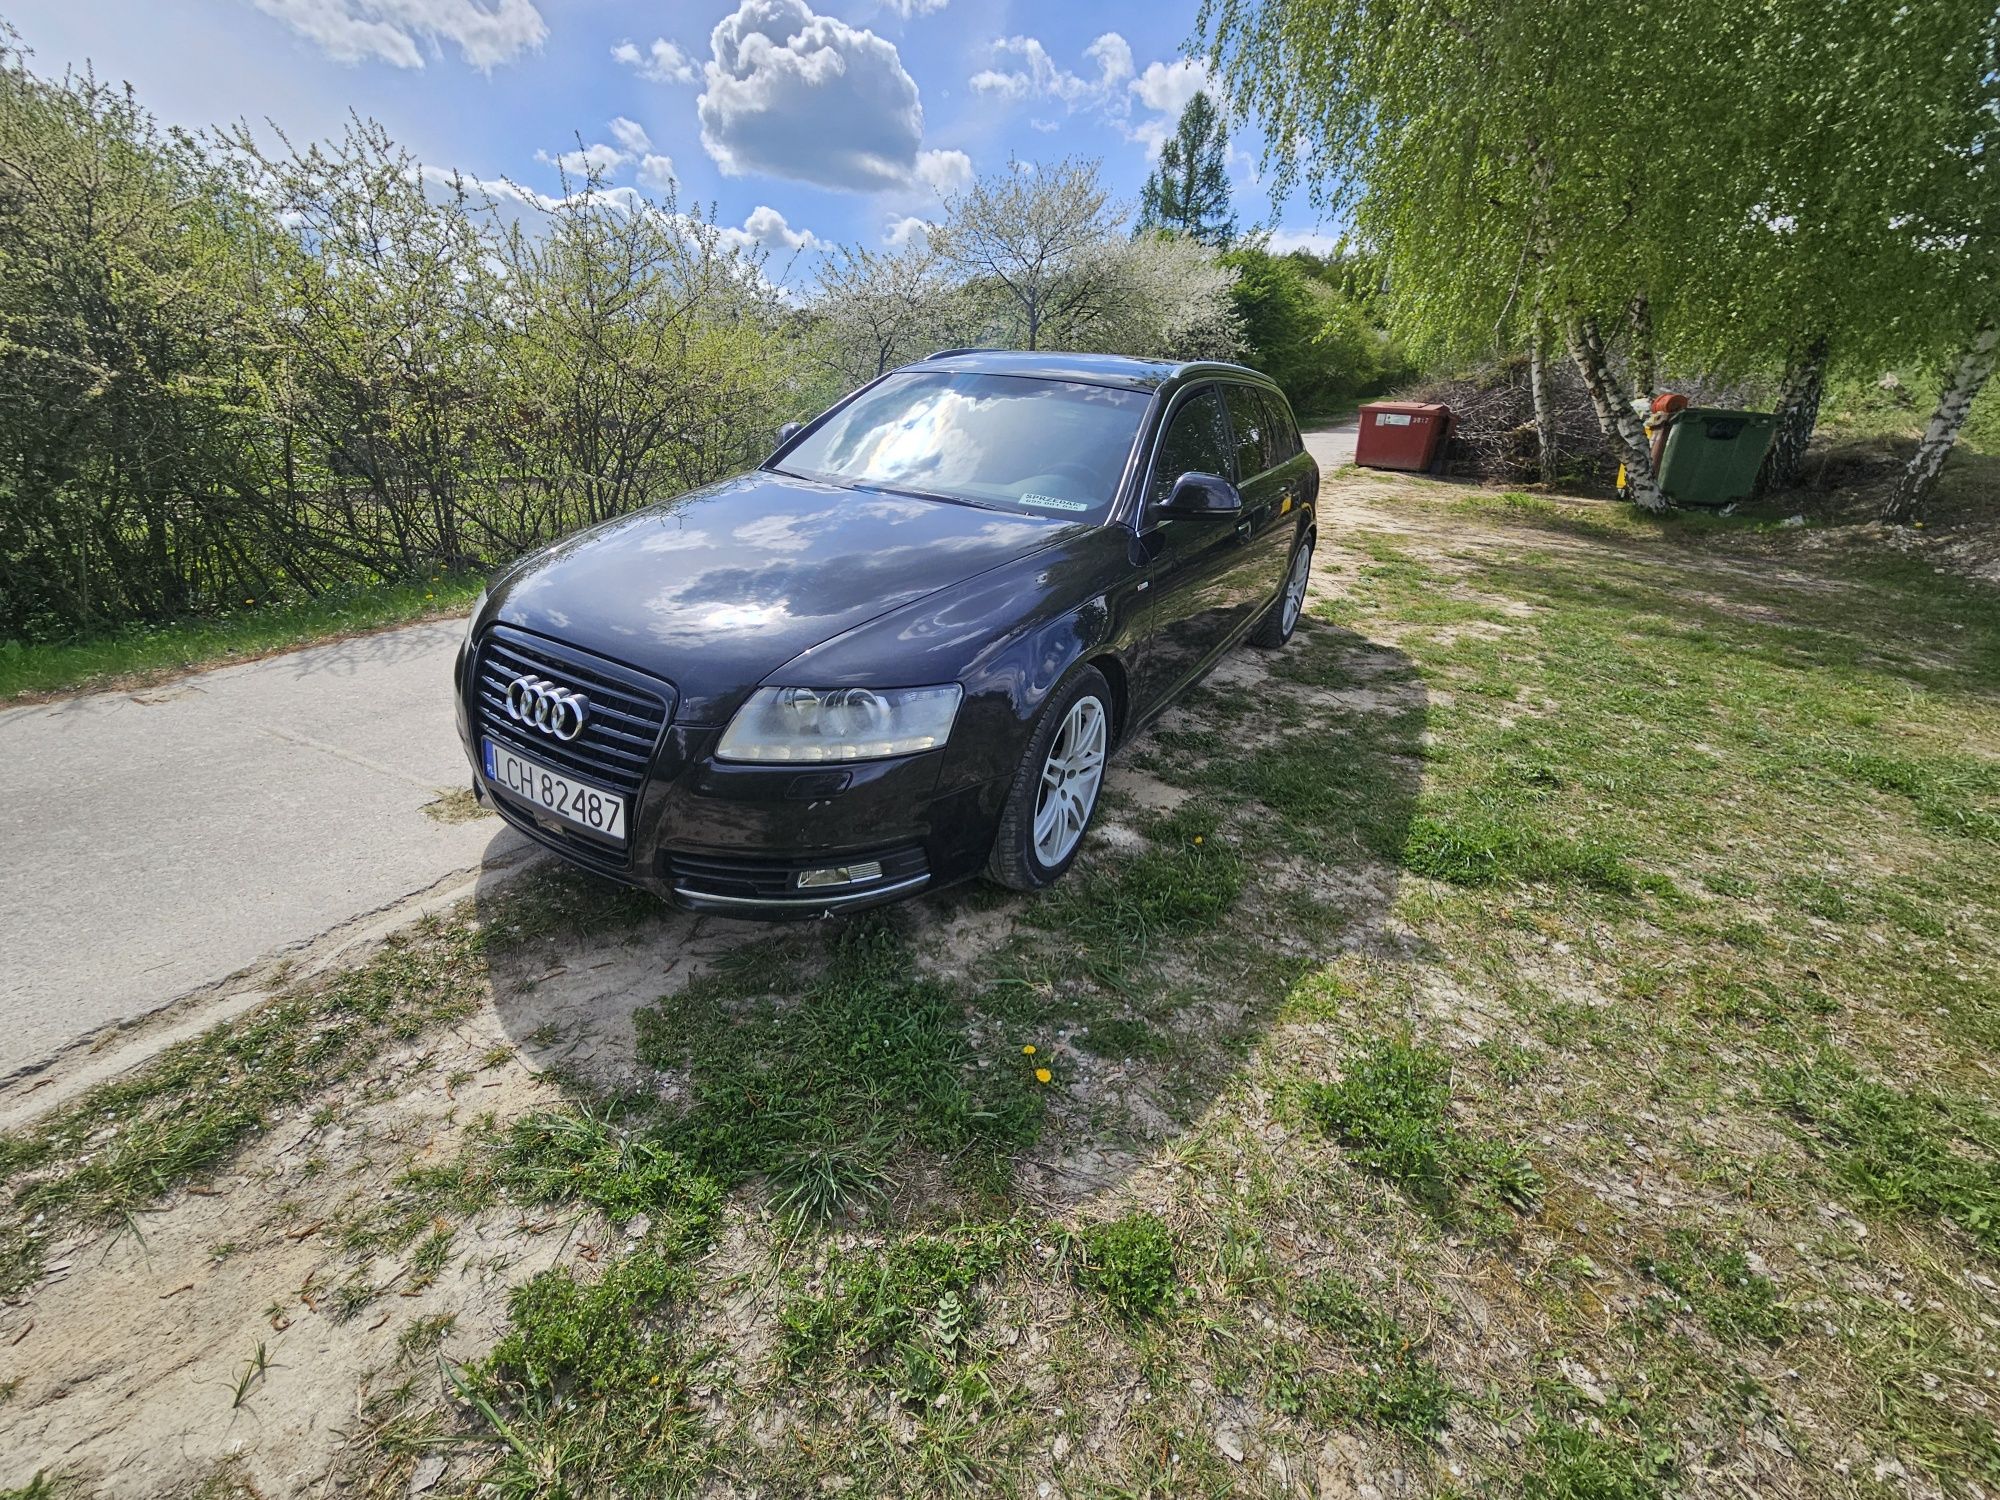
x=1070, y=779
x=1295, y=586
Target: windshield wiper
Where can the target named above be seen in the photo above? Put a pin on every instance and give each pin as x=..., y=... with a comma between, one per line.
x=890, y=489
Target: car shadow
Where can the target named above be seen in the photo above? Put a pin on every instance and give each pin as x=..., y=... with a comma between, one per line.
x=973, y=1042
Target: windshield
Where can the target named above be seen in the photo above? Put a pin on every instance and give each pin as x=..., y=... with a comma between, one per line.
x=1012, y=442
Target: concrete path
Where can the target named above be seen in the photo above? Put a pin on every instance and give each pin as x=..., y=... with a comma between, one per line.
x=1333, y=444
x=154, y=842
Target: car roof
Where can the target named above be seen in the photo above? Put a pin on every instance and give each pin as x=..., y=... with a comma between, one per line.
x=1122, y=370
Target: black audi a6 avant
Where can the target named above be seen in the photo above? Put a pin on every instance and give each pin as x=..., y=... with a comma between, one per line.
x=899, y=653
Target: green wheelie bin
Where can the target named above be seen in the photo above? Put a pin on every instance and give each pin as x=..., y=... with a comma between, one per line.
x=1713, y=454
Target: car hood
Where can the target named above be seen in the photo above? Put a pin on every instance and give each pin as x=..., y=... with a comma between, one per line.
x=717, y=588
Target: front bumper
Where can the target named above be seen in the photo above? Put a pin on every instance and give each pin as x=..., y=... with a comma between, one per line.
x=717, y=836
x=736, y=840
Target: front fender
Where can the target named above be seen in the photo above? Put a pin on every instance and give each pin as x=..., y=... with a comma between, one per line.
x=1008, y=636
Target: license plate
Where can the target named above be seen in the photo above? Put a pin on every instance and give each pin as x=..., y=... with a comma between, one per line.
x=564, y=797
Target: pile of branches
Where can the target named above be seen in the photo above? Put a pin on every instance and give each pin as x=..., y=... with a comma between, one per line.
x=1493, y=422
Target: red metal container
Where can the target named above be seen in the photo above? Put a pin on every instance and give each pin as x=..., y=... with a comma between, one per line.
x=1401, y=434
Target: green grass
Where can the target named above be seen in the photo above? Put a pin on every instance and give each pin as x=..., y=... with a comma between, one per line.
x=1897, y=1150
x=146, y=653
x=1718, y=1284
x=907, y=1315
x=589, y=1389
x=819, y=1092
x=1545, y=1052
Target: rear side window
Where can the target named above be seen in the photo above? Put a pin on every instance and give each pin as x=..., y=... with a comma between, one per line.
x=1196, y=442
x=1247, y=415
x=1283, y=432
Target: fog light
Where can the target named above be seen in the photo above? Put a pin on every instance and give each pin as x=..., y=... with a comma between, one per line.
x=859, y=874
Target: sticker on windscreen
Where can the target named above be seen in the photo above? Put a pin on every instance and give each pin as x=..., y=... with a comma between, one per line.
x=1051, y=502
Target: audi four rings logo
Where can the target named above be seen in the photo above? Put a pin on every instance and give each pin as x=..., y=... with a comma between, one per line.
x=550, y=708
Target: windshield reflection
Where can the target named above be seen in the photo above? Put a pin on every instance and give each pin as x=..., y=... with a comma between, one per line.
x=1052, y=447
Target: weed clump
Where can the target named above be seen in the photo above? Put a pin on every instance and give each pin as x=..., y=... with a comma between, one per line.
x=1391, y=1110
x=1716, y=1282
x=579, y=1158
x=599, y=1371
x=1899, y=1152
x=1129, y=1262
x=905, y=1314
x=1391, y=1385
x=818, y=1093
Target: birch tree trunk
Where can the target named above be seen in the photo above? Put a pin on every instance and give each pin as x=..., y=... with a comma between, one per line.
x=1620, y=424
x=1545, y=410
x=1921, y=477
x=1798, y=414
x=1640, y=316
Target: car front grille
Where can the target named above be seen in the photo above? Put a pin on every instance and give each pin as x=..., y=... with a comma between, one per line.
x=628, y=710
x=764, y=878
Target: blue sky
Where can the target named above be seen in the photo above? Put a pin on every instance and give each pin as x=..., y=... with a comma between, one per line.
x=801, y=121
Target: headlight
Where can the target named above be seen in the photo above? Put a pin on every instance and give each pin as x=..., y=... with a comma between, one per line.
x=819, y=724
x=472, y=624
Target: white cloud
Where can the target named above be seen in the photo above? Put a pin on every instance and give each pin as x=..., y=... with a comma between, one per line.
x=909, y=8
x=662, y=62
x=1047, y=127
x=1284, y=241
x=657, y=172
x=767, y=227
x=805, y=96
x=599, y=157
x=506, y=190
x=1113, y=56
x=631, y=135
x=903, y=230
x=944, y=172
x=1167, y=87
x=397, y=31
x=1037, y=75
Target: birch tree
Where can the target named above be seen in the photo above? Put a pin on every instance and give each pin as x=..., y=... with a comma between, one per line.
x=1955, y=222
x=1760, y=185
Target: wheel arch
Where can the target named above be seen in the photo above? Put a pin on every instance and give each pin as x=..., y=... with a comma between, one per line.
x=1120, y=682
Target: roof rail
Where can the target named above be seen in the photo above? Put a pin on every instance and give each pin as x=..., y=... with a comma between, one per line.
x=948, y=353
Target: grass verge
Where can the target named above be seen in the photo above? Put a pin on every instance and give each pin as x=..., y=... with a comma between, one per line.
x=138, y=655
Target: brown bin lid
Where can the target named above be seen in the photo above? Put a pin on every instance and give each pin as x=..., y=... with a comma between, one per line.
x=1408, y=408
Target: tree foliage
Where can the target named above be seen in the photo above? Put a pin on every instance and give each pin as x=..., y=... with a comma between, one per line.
x=1041, y=254
x=1765, y=176
x=1304, y=327
x=1188, y=191
x=230, y=371
x=233, y=368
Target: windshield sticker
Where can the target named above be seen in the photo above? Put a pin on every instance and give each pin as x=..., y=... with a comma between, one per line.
x=1050, y=502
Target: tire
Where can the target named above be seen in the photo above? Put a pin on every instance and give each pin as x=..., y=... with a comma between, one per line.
x=1282, y=618
x=1020, y=860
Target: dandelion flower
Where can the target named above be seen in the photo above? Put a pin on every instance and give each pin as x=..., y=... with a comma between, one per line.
x=1043, y=1075
x=1029, y=1050
x=1197, y=838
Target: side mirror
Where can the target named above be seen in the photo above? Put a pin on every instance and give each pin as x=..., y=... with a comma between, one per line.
x=789, y=431
x=1204, y=495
